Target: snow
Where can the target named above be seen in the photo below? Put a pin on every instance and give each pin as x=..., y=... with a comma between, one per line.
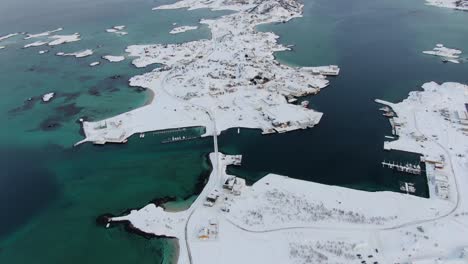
x=96, y=63
x=62, y=39
x=35, y=44
x=119, y=27
x=2, y=47
x=429, y=123
x=232, y=80
x=434, y=122
x=277, y=202
x=7, y=36
x=113, y=58
x=43, y=51
x=454, y=4
x=293, y=221
x=54, y=40
x=182, y=29
x=43, y=34
x=47, y=97
x=117, y=30
x=233, y=75
x=450, y=55
x=78, y=54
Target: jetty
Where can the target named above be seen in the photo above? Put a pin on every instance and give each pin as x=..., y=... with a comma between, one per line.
x=408, y=167
x=407, y=187
x=177, y=139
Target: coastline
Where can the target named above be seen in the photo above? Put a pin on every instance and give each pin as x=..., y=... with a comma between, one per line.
x=249, y=93
x=150, y=94
x=175, y=250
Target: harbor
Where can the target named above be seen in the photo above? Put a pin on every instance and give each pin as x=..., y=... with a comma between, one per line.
x=408, y=167
x=297, y=155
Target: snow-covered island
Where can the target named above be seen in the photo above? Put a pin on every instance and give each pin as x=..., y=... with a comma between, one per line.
x=117, y=30
x=42, y=34
x=182, y=29
x=448, y=54
x=35, y=44
x=47, y=97
x=62, y=39
x=53, y=40
x=287, y=220
x=2, y=38
x=233, y=78
x=454, y=4
x=78, y=54
x=111, y=58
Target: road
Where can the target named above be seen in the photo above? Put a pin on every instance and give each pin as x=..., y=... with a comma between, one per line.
x=216, y=168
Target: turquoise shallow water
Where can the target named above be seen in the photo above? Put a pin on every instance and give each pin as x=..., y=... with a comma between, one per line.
x=51, y=193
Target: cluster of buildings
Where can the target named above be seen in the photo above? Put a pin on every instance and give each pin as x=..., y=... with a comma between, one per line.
x=436, y=175
x=210, y=231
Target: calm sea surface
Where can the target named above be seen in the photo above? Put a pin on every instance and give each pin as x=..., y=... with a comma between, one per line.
x=51, y=193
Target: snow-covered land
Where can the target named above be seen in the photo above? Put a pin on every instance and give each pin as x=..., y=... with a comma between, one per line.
x=182, y=29
x=454, y=4
x=117, y=30
x=43, y=34
x=113, y=58
x=233, y=77
x=96, y=63
x=285, y=220
x=434, y=122
x=78, y=54
x=7, y=36
x=448, y=54
x=62, y=39
x=35, y=44
x=47, y=97
x=53, y=40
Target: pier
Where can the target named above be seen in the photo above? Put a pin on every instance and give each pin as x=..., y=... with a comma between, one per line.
x=408, y=168
x=407, y=187
x=178, y=139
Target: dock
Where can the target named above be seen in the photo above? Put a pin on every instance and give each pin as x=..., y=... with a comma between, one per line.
x=407, y=187
x=177, y=139
x=408, y=168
